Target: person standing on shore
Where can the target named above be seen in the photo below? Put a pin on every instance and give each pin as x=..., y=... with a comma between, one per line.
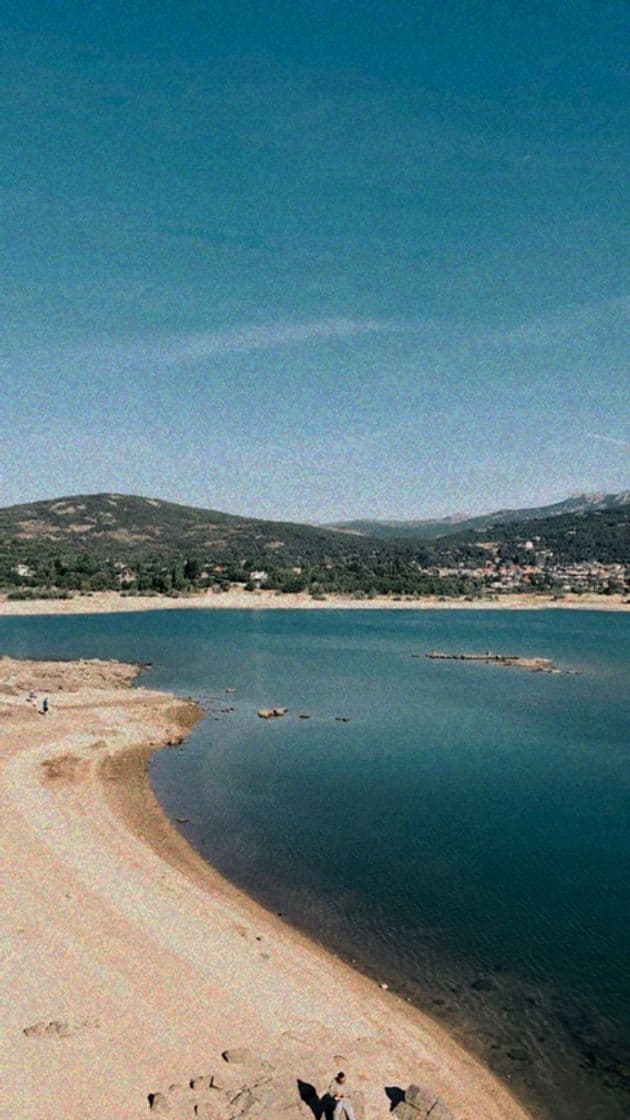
x=45, y=706
x=339, y=1090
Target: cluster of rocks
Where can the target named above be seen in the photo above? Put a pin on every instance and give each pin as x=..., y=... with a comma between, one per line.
x=241, y=1089
x=508, y=661
x=421, y=1102
x=272, y=713
x=276, y=713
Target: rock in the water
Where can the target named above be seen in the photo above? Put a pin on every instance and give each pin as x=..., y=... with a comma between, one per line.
x=158, y=1103
x=280, y=712
x=265, y=713
x=240, y=1054
x=515, y=1054
x=483, y=984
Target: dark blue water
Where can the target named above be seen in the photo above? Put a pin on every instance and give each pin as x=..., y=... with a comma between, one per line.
x=464, y=837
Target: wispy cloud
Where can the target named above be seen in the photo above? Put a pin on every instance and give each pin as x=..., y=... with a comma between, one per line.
x=192, y=348
x=269, y=336
x=609, y=439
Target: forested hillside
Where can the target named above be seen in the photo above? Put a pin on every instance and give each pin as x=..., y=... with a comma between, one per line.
x=602, y=535
x=138, y=545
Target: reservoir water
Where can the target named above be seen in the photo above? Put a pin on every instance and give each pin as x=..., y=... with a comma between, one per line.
x=463, y=835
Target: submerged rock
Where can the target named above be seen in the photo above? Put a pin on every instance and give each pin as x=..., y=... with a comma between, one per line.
x=482, y=984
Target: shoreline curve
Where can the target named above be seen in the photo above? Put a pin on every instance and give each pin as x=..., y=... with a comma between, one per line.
x=112, y=602
x=128, y=790
x=121, y=929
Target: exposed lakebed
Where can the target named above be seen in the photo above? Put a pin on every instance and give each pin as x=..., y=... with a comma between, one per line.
x=462, y=835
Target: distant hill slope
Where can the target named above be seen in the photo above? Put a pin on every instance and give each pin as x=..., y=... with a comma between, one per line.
x=91, y=542
x=128, y=526
x=433, y=528
x=591, y=535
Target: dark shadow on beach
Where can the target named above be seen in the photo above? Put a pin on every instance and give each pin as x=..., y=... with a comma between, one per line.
x=395, y=1095
x=322, y=1107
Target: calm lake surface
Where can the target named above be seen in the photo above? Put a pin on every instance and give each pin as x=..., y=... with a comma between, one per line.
x=465, y=837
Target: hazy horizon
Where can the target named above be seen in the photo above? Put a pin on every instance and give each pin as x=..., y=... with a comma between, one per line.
x=317, y=262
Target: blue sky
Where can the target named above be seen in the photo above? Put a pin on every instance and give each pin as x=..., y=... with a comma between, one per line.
x=315, y=260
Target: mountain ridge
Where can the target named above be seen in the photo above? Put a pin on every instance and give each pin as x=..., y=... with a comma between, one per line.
x=433, y=528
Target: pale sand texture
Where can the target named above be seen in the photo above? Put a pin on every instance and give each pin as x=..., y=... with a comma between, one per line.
x=111, y=602
x=115, y=927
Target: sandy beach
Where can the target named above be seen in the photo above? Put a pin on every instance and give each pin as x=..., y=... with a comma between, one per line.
x=130, y=966
x=111, y=602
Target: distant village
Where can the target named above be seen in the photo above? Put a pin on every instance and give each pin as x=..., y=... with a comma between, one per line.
x=535, y=568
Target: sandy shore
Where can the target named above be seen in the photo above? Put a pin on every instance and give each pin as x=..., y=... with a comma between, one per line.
x=131, y=965
x=110, y=602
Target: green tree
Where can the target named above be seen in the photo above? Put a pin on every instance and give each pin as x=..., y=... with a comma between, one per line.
x=192, y=569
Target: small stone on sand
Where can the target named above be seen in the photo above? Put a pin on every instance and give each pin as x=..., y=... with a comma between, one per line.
x=240, y=1054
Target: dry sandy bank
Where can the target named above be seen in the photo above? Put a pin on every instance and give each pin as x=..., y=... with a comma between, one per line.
x=138, y=965
x=110, y=602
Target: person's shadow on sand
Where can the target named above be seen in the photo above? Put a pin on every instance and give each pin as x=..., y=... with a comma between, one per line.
x=322, y=1107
